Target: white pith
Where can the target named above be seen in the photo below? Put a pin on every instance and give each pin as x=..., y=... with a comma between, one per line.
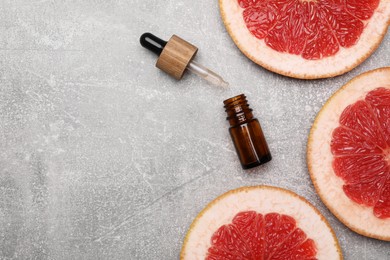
x=294, y=65
x=359, y=218
x=262, y=199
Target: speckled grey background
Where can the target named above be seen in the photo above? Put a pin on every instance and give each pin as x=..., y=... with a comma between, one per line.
x=102, y=156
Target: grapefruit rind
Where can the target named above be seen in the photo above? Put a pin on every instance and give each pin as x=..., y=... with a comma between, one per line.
x=294, y=65
x=357, y=217
x=262, y=199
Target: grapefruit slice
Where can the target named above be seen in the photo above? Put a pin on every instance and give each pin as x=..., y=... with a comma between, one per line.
x=306, y=38
x=260, y=222
x=348, y=154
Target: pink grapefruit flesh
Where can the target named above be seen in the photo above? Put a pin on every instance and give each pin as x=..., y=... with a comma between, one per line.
x=312, y=29
x=254, y=236
x=348, y=154
x=307, y=38
x=360, y=147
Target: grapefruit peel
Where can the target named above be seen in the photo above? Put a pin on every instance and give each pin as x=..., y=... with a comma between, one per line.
x=263, y=200
x=295, y=66
x=329, y=187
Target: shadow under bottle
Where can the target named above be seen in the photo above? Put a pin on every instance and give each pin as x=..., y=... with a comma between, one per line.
x=246, y=133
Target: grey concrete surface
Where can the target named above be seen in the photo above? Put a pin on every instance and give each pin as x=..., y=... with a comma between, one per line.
x=102, y=156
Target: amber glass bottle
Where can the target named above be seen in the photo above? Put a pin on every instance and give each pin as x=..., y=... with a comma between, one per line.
x=246, y=133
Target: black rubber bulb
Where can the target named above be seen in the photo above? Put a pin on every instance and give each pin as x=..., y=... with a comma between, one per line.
x=152, y=43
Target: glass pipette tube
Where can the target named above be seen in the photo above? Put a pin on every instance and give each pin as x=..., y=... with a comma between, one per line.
x=207, y=74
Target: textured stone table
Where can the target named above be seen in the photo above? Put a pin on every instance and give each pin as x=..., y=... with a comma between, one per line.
x=102, y=156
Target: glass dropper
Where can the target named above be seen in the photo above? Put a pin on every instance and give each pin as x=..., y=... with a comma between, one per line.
x=178, y=45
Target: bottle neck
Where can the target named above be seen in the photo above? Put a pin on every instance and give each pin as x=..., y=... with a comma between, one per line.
x=238, y=111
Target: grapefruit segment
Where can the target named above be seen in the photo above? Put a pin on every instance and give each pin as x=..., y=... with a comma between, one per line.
x=306, y=251
x=348, y=154
x=277, y=229
x=251, y=226
x=362, y=9
x=260, y=222
x=366, y=193
x=379, y=101
x=322, y=43
x=382, y=207
x=361, y=118
x=349, y=142
x=346, y=27
x=227, y=241
x=364, y=168
x=307, y=39
x=296, y=246
x=259, y=19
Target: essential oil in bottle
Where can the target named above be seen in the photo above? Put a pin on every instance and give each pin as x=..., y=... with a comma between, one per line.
x=246, y=133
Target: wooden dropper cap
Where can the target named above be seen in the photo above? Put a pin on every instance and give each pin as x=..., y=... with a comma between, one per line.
x=174, y=55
